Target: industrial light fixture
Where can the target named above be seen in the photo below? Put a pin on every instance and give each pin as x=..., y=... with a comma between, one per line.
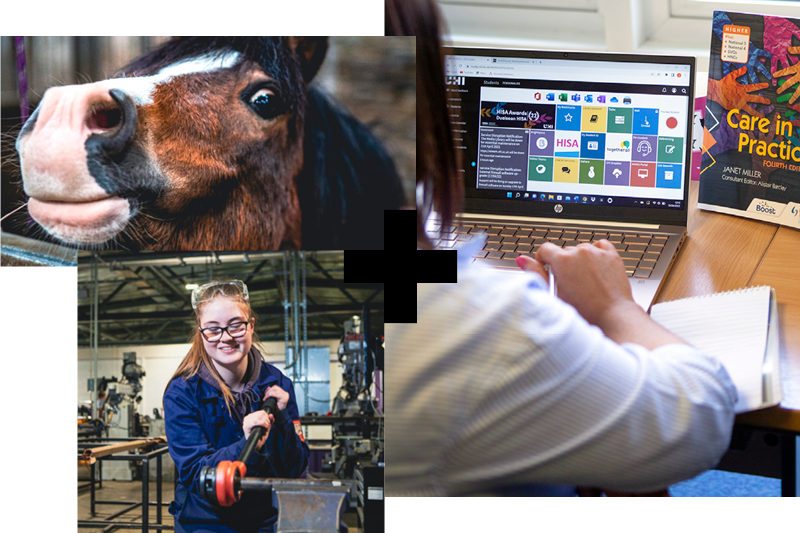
x=191, y=286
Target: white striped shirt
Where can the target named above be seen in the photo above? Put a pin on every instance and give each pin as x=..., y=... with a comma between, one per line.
x=500, y=385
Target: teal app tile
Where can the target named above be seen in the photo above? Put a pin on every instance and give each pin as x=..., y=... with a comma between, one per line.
x=540, y=168
x=670, y=149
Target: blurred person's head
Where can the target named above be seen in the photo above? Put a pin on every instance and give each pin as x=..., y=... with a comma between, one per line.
x=439, y=187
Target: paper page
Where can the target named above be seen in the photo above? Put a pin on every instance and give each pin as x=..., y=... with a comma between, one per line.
x=730, y=326
x=773, y=389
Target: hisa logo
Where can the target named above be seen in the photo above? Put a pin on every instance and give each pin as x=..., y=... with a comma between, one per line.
x=454, y=80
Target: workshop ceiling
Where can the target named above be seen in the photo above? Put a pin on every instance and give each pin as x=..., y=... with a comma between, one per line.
x=143, y=297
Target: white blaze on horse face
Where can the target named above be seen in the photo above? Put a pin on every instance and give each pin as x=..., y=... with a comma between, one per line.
x=141, y=88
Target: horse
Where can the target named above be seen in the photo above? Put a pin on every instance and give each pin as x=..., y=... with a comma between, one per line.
x=207, y=143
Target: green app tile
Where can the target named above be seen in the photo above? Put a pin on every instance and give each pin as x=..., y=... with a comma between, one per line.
x=620, y=120
x=540, y=168
x=591, y=171
x=670, y=149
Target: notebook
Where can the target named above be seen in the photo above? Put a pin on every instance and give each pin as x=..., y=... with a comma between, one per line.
x=572, y=147
x=739, y=328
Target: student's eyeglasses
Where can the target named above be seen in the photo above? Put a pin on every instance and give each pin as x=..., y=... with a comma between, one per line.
x=230, y=288
x=213, y=334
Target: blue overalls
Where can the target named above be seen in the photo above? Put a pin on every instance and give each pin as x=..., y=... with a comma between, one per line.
x=201, y=432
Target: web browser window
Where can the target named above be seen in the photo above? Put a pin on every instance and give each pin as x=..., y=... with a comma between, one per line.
x=571, y=130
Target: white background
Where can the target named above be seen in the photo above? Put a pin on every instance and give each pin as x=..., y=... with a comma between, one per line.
x=39, y=304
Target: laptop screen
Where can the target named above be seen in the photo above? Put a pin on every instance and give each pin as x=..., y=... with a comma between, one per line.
x=572, y=135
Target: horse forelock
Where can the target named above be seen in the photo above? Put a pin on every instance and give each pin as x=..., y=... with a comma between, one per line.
x=271, y=54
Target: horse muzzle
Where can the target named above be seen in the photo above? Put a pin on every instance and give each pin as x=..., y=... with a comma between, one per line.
x=69, y=153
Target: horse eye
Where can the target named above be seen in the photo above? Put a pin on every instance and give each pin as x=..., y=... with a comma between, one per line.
x=266, y=104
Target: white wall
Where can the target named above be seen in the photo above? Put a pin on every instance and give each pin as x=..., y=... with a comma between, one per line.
x=672, y=27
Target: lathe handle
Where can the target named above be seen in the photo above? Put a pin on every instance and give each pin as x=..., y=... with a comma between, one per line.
x=270, y=405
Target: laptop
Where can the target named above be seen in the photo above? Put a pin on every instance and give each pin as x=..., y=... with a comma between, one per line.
x=569, y=147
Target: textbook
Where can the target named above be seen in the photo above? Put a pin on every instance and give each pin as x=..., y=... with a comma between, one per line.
x=740, y=329
x=751, y=135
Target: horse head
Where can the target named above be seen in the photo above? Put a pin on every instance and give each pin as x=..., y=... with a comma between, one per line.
x=199, y=144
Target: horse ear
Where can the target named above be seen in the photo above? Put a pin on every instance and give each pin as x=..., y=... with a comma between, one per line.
x=311, y=51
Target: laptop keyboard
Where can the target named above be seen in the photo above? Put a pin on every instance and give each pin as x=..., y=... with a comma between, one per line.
x=505, y=242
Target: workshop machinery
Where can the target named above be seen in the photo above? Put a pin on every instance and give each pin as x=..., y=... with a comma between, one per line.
x=357, y=437
x=118, y=416
x=303, y=505
x=369, y=478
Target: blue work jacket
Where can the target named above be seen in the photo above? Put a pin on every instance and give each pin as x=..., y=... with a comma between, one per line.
x=201, y=432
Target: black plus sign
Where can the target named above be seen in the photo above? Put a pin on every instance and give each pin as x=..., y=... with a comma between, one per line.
x=399, y=268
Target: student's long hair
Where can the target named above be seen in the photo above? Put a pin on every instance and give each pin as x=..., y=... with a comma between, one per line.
x=436, y=155
x=197, y=355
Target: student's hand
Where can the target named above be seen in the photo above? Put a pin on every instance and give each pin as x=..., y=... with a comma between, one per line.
x=590, y=277
x=279, y=394
x=526, y=262
x=253, y=420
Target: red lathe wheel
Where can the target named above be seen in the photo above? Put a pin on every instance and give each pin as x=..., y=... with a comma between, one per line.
x=226, y=471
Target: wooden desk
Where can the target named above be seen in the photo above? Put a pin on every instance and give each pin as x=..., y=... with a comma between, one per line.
x=780, y=269
x=723, y=253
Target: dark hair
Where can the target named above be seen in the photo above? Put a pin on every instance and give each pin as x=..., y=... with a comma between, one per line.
x=436, y=154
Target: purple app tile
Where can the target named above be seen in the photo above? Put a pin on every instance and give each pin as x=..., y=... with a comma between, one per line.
x=617, y=173
x=644, y=148
x=542, y=142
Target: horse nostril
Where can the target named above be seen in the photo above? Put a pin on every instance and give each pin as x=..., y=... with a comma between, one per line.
x=105, y=119
x=114, y=125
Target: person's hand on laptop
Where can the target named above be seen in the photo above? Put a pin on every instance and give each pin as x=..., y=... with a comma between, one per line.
x=526, y=262
x=591, y=278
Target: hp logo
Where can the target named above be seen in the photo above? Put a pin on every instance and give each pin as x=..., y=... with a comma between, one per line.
x=558, y=208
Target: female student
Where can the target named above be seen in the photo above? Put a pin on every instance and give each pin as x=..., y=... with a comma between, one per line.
x=211, y=406
x=500, y=388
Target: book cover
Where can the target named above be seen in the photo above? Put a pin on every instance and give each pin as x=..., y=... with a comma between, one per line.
x=697, y=136
x=751, y=136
